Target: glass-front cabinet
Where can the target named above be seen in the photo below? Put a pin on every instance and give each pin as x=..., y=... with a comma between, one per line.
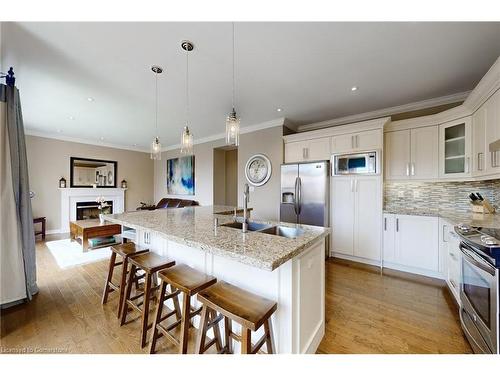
x=455, y=148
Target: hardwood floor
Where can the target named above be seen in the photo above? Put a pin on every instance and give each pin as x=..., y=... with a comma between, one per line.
x=366, y=313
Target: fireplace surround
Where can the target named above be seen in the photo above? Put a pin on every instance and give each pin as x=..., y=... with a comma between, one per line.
x=71, y=197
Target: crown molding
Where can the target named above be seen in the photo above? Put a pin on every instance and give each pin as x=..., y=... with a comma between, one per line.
x=247, y=129
x=488, y=85
x=384, y=112
x=66, y=138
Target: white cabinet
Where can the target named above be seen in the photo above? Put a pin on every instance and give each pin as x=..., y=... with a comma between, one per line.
x=397, y=155
x=342, y=203
x=309, y=150
x=451, y=257
x=361, y=141
x=411, y=243
x=357, y=216
x=455, y=150
x=424, y=153
x=479, y=146
x=492, y=132
x=412, y=154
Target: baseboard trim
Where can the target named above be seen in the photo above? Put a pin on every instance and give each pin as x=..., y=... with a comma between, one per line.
x=54, y=231
x=315, y=340
x=392, y=266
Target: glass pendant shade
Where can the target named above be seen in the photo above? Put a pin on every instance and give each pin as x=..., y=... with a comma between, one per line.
x=233, y=129
x=186, y=142
x=156, y=149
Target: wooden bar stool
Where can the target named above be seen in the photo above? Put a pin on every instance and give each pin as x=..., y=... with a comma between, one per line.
x=125, y=251
x=150, y=263
x=245, y=308
x=186, y=280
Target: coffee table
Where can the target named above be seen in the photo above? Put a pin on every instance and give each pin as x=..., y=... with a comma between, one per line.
x=86, y=229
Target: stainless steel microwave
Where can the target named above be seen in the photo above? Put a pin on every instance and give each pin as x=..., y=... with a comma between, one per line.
x=360, y=163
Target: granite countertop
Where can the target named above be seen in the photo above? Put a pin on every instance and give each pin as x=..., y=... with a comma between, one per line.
x=454, y=217
x=194, y=227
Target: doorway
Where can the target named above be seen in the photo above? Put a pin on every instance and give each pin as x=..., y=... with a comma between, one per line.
x=226, y=176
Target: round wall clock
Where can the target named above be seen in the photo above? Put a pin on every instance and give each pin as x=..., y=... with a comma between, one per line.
x=258, y=170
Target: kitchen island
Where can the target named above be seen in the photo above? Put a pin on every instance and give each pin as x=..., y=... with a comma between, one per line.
x=290, y=271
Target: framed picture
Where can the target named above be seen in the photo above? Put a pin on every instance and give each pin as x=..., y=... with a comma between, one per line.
x=180, y=176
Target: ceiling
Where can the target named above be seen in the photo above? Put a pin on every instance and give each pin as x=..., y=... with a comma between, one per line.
x=307, y=69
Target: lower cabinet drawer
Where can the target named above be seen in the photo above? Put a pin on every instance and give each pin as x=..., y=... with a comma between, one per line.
x=454, y=275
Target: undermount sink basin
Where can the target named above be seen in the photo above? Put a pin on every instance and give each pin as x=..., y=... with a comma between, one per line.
x=283, y=231
x=252, y=227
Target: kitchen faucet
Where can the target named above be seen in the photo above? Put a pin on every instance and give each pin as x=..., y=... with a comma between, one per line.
x=246, y=199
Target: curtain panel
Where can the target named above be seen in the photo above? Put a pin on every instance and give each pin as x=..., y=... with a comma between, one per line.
x=17, y=222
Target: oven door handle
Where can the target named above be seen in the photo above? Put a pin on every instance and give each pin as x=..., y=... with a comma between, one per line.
x=471, y=258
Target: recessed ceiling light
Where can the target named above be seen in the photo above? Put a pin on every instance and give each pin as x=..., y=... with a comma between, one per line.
x=59, y=130
x=102, y=138
x=279, y=109
x=90, y=99
x=354, y=88
x=71, y=118
x=135, y=144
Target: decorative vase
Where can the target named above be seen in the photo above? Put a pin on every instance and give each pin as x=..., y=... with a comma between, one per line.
x=101, y=218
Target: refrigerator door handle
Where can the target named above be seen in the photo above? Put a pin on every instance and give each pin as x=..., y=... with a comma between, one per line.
x=299, y=196
x=296, y=200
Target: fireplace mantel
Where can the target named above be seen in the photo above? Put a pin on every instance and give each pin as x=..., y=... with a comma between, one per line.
x=71, y=196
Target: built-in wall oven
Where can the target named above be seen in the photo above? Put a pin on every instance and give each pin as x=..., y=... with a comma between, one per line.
x=359, y=163
x=479, y=313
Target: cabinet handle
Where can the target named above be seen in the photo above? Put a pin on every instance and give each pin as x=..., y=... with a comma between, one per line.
x=357, y=141
x=385, y=224
x=444, y=235
x=352, y=186
x=355, y=185
x=407, y=169
x=479, y=165
x=352, y=141
x=467, y=164
x=397, y=225
x=413, y=169
x=453, y=283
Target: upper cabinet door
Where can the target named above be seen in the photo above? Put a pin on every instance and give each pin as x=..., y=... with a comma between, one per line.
x=362, y=141
x=294, y=152
x=397, y=155
x=369, y=140
x=342, y=143
x=424, y=153
x=455, y=148
x=479, y=146
x=318, y=149
x=492, y=124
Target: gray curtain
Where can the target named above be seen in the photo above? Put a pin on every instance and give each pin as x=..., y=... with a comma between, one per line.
x=20, y=184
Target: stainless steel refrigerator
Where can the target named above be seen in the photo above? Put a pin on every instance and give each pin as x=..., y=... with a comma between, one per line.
x=305, y=193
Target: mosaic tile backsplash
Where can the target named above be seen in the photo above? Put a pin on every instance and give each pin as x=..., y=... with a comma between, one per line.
x=437, y=196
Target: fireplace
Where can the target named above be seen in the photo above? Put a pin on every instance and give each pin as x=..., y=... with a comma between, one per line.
x=89, y=210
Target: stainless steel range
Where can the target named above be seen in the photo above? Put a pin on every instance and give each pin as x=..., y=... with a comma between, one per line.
x=479, y=289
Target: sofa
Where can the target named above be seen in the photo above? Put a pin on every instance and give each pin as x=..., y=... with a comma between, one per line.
x=169, y=203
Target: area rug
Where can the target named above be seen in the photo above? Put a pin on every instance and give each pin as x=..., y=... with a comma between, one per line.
x=69, y=253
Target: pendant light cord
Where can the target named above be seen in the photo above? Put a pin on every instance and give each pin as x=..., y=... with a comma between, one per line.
x=156, y=104
x=187, y=86
x=233, y=66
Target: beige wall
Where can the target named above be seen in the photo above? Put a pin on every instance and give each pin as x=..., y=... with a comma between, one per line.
x=219, y=186
x=264, y=200
x=48, y=161
x=231, y=186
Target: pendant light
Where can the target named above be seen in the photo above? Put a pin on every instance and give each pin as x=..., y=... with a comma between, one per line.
x=156, y=145
x=232, y=120
x=187, y=136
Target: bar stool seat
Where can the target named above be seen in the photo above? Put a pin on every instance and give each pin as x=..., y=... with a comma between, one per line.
x=181, y=279
x=235, y=304
x=150, y=263
x=125, y=251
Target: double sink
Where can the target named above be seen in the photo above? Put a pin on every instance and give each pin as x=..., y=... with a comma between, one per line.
x=276, y=230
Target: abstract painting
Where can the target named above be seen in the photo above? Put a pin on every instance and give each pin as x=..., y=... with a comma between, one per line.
x=180, y=176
